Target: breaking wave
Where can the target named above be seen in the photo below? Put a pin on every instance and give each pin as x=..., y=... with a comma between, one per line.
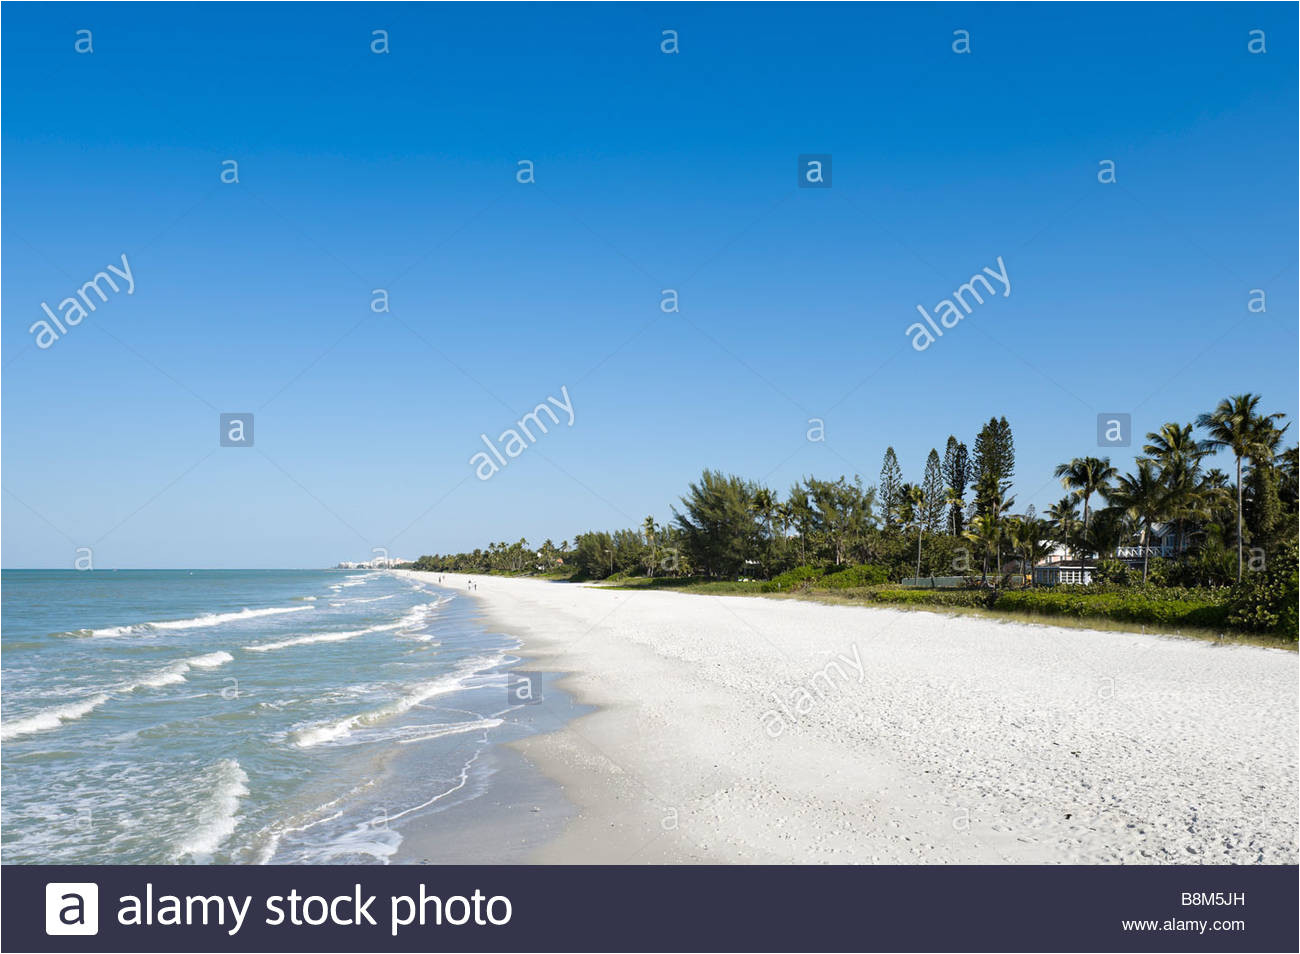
x=219, y=815
x=51, y=718
x=198, y=622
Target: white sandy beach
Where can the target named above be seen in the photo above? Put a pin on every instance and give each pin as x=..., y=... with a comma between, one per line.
x=739, y=729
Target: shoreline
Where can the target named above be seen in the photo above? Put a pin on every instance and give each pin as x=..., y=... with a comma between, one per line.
x=743, y=730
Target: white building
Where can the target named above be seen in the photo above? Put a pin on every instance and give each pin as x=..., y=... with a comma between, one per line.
x=1162, y=541
x=1062, y=567
x=1064, y=572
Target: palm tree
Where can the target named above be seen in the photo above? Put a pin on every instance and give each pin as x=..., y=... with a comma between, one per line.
x=1111, y=526
x=1173, y=445
x=1179, y=456
x=797, y=505
x=648, y=528
x=783, y=513
x=1016, y=532
x=1214, y=500
x=952, y=500
x=1026, y=535
x=763, y=507
x=1064, y=515
x=1144, y=497
x=911, y=511
x=1086, y=476
x=1235, y=425
x=986, y=530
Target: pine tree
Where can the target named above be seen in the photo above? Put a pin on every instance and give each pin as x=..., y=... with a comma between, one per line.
x=1006, y=449
x=995, y=463
x=932, y=487
x=718, y=525
x=891, y=481
x=956, y=474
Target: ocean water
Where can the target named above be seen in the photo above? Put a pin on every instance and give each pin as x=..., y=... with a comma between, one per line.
x=240, y=716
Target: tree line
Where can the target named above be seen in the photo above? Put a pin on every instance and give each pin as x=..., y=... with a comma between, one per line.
x=959, y=517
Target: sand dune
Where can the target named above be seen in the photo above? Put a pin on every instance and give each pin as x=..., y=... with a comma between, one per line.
x=736, y=729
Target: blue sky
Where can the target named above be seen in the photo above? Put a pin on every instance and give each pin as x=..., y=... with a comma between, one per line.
x=360, y=171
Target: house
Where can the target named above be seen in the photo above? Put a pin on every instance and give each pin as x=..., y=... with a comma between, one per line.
x=1162, y=541
x=1060, y=566
x=1064, y=572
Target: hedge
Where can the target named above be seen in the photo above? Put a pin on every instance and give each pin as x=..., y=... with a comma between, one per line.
x=864, y=575
x=801, y=577
x=1135, y=606
x=975, y=598
x=1264, y=602
x=1174, y=607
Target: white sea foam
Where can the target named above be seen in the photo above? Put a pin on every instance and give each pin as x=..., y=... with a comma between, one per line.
x=174, y=673
x=211, y=660
x=365, y=838
x=55, y=716
x=198, y=622
x=321, y=638
x=419, y=615
x=167, y=676
x=275, y=833
x=51, y=718
x=218, y=815
x=267, y=851
x=452, y=682
x=427, y=732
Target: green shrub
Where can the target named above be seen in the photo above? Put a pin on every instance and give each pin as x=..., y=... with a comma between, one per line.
x=1112, y=571
x=801, y=577
x=866, y=574
x=1166, y=607
x=975, y=598
x=1265, y=600
x=1160, y=572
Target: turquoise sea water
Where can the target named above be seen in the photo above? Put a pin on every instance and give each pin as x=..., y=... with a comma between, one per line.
x=239, y=715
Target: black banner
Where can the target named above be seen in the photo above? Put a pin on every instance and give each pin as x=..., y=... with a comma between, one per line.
x=414, y=908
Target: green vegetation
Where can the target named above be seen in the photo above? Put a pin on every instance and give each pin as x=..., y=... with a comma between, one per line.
x=800, y=578
x=1232, y=564
x=1170, y=607
x=866, y=575
x=1267, y=601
